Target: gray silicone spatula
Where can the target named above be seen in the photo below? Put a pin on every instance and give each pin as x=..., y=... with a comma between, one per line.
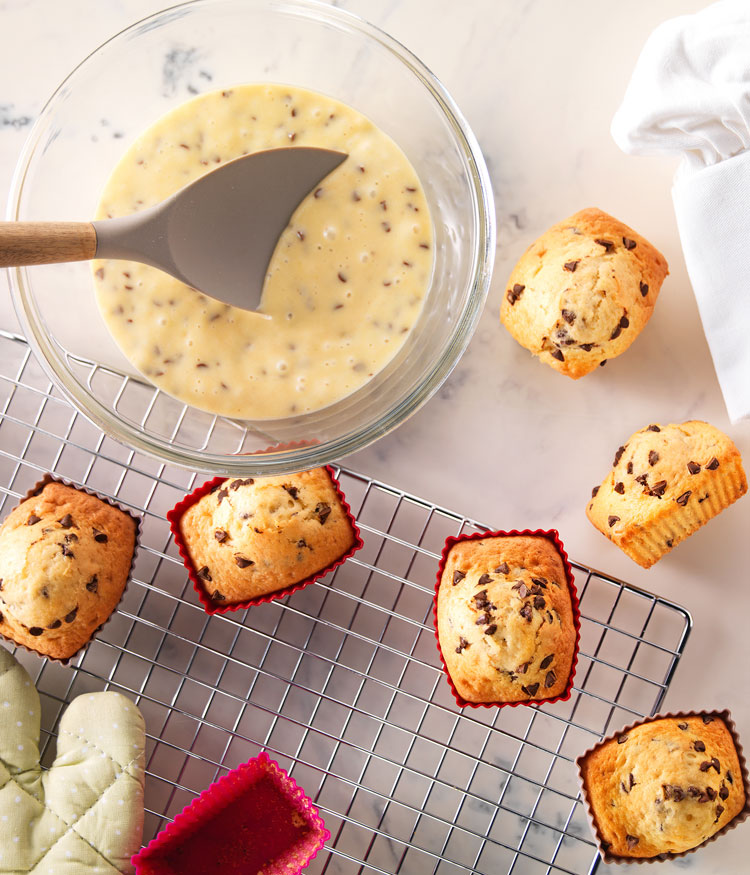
x=216, y=234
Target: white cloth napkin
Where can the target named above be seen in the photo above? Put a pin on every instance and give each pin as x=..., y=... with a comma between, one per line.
x=690, y=95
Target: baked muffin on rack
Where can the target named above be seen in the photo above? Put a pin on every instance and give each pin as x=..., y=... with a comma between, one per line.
x=666, y=482
x=250, y=537
x=65, y=557
x=582, y=292
x=505, y=619
x=663, y=786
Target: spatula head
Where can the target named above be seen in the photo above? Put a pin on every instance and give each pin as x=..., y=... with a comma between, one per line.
x=218, y=233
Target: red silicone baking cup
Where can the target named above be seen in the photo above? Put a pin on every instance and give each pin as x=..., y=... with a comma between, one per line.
x=551, y=535
x=175, y=515
x=739, y=818
x=254, y=819
x=35, y=490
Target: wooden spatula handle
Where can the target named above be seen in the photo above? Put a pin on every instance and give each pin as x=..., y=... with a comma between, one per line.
x=45, y=242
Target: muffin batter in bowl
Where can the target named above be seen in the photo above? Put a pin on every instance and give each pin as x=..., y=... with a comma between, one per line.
x=345, y=284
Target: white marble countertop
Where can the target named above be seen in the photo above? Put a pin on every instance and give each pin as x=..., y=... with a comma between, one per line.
x=507, y=440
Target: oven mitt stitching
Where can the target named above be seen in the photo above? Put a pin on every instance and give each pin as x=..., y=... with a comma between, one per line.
x=93, y=791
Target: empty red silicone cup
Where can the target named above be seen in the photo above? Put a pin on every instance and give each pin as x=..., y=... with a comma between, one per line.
x=213, y=607
x=253, y=820
x=553, y=536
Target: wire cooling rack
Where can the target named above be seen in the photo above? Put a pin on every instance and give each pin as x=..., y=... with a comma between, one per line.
x=340, y=682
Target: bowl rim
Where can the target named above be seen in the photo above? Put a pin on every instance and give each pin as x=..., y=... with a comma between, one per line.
x=313, y=454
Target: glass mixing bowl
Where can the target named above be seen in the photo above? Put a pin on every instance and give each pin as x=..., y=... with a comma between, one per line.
x=158, y=63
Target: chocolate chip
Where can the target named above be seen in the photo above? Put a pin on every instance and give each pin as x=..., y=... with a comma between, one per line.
x=303, y=543
x=682, y=726
x=33, y=520
x=587, y=347
x=729, y=777
x=693, y=791
x=235, y=484
x=222, y=494
x=631, y=841
x=705, y=766
x=719, y=812
x=525, y=612
x=540, y=581
x=71, y=616
x=55, y=624
x=35, y=631
x=607, y=244
x=66, y=551
x=292, y=490
x=221, y=535
x=616, y=333
x=242, y=561
x=490, y=630
x=571, y=266
x=629, y=468
x=658, y=489
x=523, y=590
x=699, y=745
x=480, y=599
x=707, y=718
x=93, y=584
x=100, y=537
x=217, y=596
x=546, y=661
x=623, y=787
x=523, y=668
x=669, y=542
x=569, y=316
x=539, y=603
x=322, y=511
x=612, y=520
x=550, y=679
x=67, y=521
x=621, y=739
x=653, y=428
x=618, y=456
x=683, y=499
x=70, y=538
x=620, y=487
x=694, y=467
x=711, y=793
x=557, y=354
x=515, y=293
x=628, y=243
x=653, y=458
x=642, y=479
x=715, y=764
x=205, y=573
x=482, y=619
x=594, y=491
x=502, y=569
x=484, y=580
x=462, y=645
x=458, y=576
x=723, y=792
x=531, y=690
x=713, y=464
x=644, y=289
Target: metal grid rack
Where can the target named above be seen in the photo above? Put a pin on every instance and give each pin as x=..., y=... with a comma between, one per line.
x=340, y=682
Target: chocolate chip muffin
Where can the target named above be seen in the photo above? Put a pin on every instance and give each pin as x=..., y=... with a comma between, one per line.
x=666, y=482
x=65, y=557
x=505, y=619
x=583, y=292
x=664, y=786
x=249, y=537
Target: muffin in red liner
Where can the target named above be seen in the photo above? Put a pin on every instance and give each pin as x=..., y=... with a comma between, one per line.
x=95, y=581
x=272, y=536
x=508, y=606
x=690, y=769
x=255, y=819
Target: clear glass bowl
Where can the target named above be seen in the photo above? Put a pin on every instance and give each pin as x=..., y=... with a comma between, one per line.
x=158, y=63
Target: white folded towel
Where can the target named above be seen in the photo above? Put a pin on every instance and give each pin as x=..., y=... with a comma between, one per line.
x=690, y=95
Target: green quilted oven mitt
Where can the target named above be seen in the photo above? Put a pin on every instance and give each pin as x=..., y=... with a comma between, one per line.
x=84, y=815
